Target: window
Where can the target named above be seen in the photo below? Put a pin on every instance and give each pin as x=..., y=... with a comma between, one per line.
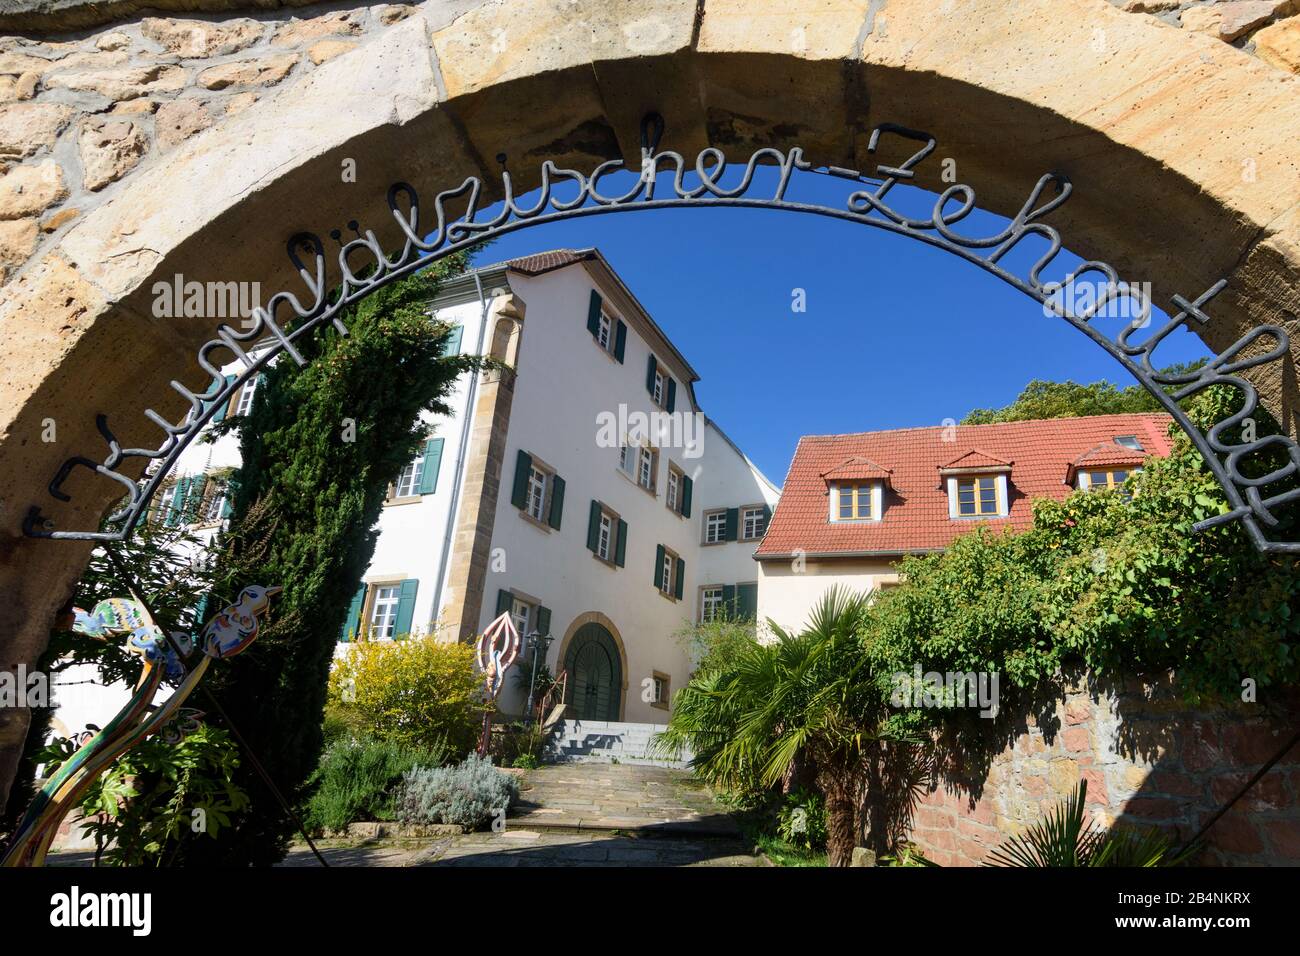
x=1129, y=441
x=712, y=605
x=1109, y=479
x=658, y=392
x=640, y=463
x=853, y=502
x=606, y=536
x=536, y=492
x=645, y=473
x=383, y=615
x=659, y=690
x=715, y=527
x=670, y=497
x=754, y=521
x=521, y=612
x=604, y=328
x=977, y=496
x=216, y=505
x=408, y=482
x=246, y=397
x=670, y=573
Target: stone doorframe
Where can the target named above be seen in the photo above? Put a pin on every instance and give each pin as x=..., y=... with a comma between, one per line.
x=1155, y=131
x=595, y=617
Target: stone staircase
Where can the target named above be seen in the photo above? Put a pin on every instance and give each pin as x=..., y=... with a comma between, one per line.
x=606, y=741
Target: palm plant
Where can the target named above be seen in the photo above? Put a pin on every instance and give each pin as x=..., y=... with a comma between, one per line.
x=800, y=697
x=1066, y=838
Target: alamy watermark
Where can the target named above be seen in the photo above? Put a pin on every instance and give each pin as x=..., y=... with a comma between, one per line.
x=684, y=430
x=205, y=300
x=1110, y=300
x=948, y=690
x=18, y=688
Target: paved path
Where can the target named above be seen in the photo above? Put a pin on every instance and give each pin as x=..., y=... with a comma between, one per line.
x=580, y=814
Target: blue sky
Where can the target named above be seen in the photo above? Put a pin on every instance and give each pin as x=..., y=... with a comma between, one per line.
x=896, y=333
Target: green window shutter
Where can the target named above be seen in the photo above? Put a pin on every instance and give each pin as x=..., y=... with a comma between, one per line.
x=650, y=369
x=453, y=342
x=620, y=341
x=225, y=406
x=687, y=485
x=593, y=527
x=557, y=502
x=505, y=601
x=432, y=462
x=733, y=524
x=679, y=566
x=226, y=509
x=747, y=601
x=194, y=497
x=405, y=607
x=176, y=502
x=201, y=611
x=543, y=620
x=620, y=546
x=523, y=466
x=593, y=314
x=729, y=600
x=671, y=401
x=659, y=565
x=352, y=623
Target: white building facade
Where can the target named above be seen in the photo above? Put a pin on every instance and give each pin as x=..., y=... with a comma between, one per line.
x=581, y=489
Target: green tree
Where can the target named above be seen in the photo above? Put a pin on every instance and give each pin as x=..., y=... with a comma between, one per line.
x=803, y=696
x=319, y=449
x=1042, y=399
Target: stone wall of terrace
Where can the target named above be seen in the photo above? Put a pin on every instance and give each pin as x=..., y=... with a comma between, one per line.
x=1148, y=760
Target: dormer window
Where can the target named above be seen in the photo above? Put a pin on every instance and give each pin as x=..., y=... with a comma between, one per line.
x=977, y=484
x=854, y=501
x=1129, y=441
x=1108, y=479
x=978, y=497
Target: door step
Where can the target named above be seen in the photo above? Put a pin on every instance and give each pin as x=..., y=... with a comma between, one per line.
x=608, y=741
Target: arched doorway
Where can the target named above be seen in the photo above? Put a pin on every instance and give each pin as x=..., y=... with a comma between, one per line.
x=595, y=671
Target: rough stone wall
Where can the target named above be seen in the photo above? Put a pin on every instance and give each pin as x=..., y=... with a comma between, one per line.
x=79, y=113
x=81, y=110
x=1148, y=761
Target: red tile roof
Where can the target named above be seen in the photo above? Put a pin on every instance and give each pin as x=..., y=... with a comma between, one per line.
x=915, y=515
x=1108, y=454
x=535, y=265
x=976, y=458
x=857, y=468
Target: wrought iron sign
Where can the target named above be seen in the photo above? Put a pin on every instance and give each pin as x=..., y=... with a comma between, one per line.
x=363, y=266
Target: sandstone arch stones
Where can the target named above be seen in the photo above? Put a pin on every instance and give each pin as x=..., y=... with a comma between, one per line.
x=153, y=147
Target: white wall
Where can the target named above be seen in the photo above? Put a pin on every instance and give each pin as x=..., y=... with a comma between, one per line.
x=565, y=381
x=787, y=593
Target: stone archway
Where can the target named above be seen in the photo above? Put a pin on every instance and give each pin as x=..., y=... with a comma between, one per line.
x=582, y=627
x=1154, y=125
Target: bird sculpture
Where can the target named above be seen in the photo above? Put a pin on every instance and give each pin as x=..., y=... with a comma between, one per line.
x=228, y=633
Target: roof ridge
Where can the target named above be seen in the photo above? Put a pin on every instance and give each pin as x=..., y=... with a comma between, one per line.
x=1023, y=421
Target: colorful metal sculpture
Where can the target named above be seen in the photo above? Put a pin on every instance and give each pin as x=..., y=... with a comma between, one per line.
x=497, y=648
x=226, y=634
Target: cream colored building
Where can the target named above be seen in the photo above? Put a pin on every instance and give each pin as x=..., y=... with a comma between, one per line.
x=853, y=505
